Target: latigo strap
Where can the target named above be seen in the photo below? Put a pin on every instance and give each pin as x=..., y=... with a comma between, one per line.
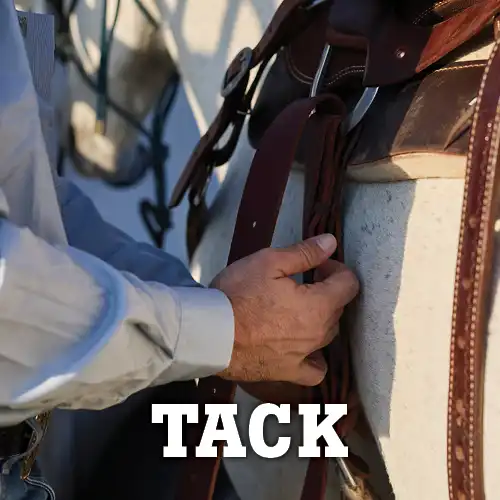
x=254, y=229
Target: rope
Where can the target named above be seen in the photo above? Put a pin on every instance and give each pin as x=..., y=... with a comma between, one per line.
x=155, y=215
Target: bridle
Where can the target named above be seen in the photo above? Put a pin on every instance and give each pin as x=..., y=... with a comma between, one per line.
x=155, y=215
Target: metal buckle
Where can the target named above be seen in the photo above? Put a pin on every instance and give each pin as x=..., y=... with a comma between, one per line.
x=363, y=104
x=229, y=83
x=244, y=58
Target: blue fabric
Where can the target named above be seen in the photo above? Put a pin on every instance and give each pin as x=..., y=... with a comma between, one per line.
x=34, y=487
x=12, y=487
x=87, y=231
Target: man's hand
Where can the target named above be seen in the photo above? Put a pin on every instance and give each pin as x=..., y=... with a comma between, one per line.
x=280, y=325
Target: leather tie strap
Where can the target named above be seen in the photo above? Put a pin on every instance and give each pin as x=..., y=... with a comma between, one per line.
x=324, y=178
x=480, y=210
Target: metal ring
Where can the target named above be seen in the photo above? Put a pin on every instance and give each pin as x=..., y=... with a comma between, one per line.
x=359, y=111
x=362, y=106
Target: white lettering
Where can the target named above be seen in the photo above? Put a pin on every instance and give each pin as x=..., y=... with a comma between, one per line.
x=256, y=430
x=175, y=413
x=313, y=431
x=229, y=432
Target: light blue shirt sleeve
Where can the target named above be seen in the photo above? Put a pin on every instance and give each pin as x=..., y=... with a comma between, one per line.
x=87, y=315
x=77, y=333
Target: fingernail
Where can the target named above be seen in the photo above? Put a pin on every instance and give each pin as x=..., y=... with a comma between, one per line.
x=327, y=242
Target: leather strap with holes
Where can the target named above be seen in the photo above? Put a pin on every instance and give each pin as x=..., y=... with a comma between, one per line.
x=481, y=209
x=290, y=16
x=254, y=231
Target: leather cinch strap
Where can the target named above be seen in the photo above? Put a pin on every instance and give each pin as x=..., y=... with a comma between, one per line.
x=472, y=292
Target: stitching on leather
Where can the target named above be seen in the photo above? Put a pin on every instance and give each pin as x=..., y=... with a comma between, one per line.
x=429, y=60
x=451, y=391
x=457, y=284
x=346, y=71
x=302, y=77
x=464, y=66
x=488, y=192
x=454, y=37
x=430, y=9
x=294, y=69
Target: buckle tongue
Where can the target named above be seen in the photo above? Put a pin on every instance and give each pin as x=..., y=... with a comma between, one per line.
x=238, y=69
x=363, y=104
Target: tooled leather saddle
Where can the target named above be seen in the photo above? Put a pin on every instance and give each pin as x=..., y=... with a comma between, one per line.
x=341, y=64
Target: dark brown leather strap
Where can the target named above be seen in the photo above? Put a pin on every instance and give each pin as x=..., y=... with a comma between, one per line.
x=321, y=172
x=288, y=18
x=268, y=177
x=324, y=179
x=254, y=229
x=480, y=210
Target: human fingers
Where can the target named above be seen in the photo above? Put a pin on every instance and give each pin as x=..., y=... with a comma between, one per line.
x=311, y=371
x=338, y=287
x=301, y=257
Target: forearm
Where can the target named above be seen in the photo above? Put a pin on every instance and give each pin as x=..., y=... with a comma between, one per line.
x=77, y=333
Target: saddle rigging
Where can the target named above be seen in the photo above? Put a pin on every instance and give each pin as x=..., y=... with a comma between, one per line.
x=337, y=61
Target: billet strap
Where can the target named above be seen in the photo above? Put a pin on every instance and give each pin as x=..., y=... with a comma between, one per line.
x=254, y=229
x=473, y=280
x=325, y=166
x=290, y=16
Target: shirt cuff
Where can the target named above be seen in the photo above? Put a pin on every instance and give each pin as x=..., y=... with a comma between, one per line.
x=206, y=335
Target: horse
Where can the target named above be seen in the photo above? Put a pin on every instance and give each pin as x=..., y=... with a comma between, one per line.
x=401, y=233
x=401, y=230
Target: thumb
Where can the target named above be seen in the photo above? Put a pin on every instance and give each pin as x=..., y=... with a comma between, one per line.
x=305, y=255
